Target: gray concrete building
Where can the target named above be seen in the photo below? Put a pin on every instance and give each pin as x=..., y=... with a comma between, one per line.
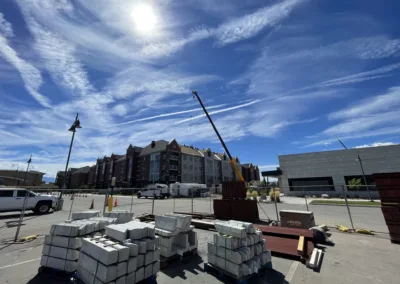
x=326, y=172
x=226, y=168
x=192, y=165
x=212, y=168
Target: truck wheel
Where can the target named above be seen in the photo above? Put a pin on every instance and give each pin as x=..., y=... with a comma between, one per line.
x=138, y=195
x=145, y=197
x=42, y=207
x=162, y=196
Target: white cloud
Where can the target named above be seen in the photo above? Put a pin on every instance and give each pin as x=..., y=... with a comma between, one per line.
x=29, y=74
x=376, y=144
x=5, y=27
x=120, y=110
x=251, y=24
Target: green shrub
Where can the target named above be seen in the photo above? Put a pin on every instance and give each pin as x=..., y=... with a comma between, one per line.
x=254, y=194
x=275, y=195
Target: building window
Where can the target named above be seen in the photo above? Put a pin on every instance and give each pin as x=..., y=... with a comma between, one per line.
x=184, y=157
x=311, y=184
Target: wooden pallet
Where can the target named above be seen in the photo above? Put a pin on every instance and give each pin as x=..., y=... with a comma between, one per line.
x=167, y=261
x=151, y=280
x=55, y=273
x=208, y=267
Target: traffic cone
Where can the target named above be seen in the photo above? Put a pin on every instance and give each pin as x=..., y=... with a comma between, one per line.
x=92, y=204
x=116, y=202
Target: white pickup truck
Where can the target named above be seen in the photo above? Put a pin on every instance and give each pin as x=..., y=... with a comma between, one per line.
x=12, y=199
x=157, y=190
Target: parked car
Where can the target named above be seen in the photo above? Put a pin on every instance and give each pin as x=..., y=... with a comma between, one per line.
x=157, y=190
x=12, y=199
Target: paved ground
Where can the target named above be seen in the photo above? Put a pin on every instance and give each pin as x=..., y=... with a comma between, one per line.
x=363, y=217
x=355, y=259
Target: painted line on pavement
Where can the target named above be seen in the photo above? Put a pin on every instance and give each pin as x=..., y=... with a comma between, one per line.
x=19, y=263
x=291, y=271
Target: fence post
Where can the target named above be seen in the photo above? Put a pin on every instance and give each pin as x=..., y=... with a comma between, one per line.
x=70, y=209
x=105, y=202
x=132, y=200
x=154, y=198
x=347, y=205
x=305, y=197
x=173, y=210
x=210, y=201
x=192, y=200
x=276, y=206
x=21, y=217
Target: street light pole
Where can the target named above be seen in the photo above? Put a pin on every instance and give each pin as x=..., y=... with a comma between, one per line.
x=362, y=171
x=27, y=169
x=75, y=125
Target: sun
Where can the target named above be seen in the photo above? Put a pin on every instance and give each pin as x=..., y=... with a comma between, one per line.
x=144, y=17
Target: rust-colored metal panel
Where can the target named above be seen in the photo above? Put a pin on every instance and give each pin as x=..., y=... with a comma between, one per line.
x=245, y=210
x=287, y=246
x=233, y=189
x=285, y=232
x=222, y=208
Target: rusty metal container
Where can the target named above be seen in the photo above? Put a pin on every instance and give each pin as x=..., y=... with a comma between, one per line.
x=233, y=190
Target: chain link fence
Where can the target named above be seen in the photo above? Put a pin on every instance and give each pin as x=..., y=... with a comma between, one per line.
x=349, y=206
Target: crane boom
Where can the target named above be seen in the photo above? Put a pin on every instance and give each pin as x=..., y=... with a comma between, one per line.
x=232, y=161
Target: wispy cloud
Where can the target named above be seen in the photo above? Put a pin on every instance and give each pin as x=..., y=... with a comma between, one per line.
x=251, y=24
x=29, y=74
x=219, y=111
x=5, y=27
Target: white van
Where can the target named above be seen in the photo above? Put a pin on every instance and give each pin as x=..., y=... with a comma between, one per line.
x=157, y=190
x=12, y=199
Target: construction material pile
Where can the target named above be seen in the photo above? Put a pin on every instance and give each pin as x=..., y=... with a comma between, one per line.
x=61, y=248
x=176, y=235
x=238, y=249
x=123, y=216
x=127, y=253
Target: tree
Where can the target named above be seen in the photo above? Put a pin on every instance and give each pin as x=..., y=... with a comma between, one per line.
x=264, y=182
x=355, y=184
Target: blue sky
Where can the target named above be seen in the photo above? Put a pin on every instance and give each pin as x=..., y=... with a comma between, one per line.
x=279, y=77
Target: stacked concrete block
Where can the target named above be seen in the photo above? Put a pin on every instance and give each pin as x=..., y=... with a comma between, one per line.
x=61, y=249
x=176, y=235
x=118, y=258
x=84, y=215
x=238, y=248
x=122, y=216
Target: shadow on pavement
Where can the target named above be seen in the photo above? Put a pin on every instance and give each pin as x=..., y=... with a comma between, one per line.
x=43, y=278
x=16, y=215
x=179, y=268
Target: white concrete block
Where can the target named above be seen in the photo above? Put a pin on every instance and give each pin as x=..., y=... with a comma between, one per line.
x=60, y=264
x=124, y=218
x=231, y=229
x=121, y=280
x=84, y=215
x=85, y=276
x=65, y=242
x=157, y=241
x=139, y=274
x=43, y=260
x=150, y=245
x=156, y=255
x=88, y=263
x=192, y=238
x=165, y=241
x=62, y=253
x=123, y=252
x=133, y=248
x=106, y=273
x=167, y=252
x=248, y=226
x=103, y=222
x=142, y=246
x=319, y=260
x=46, y=250
x=117, y=232
x=238, y=270
x=122, y=268
x=164, y=233
x=132, y=264
x=313, y=259
x=167, y=223
x=181, y=241
x=156, y=267
x=148, y=271
x=221, y=262
x=130, y=278
x=183, y=221
x=140, y=260
x=149, y=256
x=229, y=242
x=211, y=248
x=65, y=229
x=105, y=254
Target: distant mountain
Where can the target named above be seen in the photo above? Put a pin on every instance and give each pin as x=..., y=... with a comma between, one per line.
x=49, y=179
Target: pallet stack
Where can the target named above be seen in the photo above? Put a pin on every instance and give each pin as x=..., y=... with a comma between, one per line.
x=61, y=249
x=234, y=205
x=238, y=250
x=128, y=253
x=176, y=235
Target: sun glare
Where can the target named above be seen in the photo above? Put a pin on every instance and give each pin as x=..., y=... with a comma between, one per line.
x=144, y=18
